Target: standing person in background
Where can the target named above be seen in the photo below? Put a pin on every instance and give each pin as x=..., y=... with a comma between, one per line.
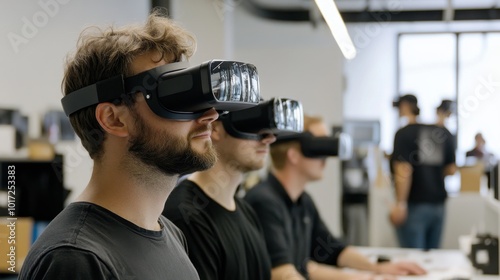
x=298, y=242
x=223, y=233
x=444, y=111
x=479, y=151
x=423, y=155
x=479, y=154
x=114, y=229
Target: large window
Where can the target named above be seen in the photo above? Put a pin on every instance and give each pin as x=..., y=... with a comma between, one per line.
x=464, y=67
x=427, y=69
x=479, y=90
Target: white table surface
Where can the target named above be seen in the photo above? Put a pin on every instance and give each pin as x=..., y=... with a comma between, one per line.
x=440, y=264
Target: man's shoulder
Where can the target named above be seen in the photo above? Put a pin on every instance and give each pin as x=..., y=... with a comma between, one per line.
x=59, y=263
x=188, y=205
x=63, y=236
x=172, y=229
x=261, y=192
x=186, y=195
x=410, y=128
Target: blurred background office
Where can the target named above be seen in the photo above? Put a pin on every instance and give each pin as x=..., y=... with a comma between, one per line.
x=434, y=49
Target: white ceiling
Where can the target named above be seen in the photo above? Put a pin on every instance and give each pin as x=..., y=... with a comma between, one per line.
x=359, y=5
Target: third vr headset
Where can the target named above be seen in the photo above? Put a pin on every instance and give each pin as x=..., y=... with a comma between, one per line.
x=279, y=116
x=321, y=146
x=176, y=91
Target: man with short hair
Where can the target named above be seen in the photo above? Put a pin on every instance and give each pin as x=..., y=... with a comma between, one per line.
x=298, y=242
x=114, y=229
x=444, y=111
x=423, y=155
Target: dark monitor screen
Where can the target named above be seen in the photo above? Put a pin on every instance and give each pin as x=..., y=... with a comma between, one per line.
x=39, y=190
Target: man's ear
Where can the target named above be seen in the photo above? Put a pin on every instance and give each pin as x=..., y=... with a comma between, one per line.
x=112, y=118
x=293, y=155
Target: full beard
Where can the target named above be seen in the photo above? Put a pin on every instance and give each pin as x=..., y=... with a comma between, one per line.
x=169, y=154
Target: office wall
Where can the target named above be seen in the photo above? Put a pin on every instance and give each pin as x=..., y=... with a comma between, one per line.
x=35, y=37
x=209, y=23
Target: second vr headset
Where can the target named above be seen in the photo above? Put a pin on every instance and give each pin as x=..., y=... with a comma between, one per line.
x=321, y=146
x=176, y=91
x=279, y=116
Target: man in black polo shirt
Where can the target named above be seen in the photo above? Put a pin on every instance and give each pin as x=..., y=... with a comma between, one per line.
x=298, y=242
x=423, y=155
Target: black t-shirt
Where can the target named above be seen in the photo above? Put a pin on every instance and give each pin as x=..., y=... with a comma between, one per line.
x=429, y=149
x=86, y=241
x=294, y=232
x=222, y=244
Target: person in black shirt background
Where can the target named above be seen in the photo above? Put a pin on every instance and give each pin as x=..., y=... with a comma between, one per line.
x=423, y=155
x=298, y=242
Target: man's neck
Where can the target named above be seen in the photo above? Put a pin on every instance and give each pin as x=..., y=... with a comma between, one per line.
x=219, y=183
x=293, y=183
x=135, y=192
x=412, y=119
x=440, y=121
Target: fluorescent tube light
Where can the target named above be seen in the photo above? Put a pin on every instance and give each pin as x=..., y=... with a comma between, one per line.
x=332, y=17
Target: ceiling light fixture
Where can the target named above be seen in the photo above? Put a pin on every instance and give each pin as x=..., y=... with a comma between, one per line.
x=337, y=26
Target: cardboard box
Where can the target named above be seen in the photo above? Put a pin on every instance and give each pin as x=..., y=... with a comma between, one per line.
x=471, y=178
x=15, y=233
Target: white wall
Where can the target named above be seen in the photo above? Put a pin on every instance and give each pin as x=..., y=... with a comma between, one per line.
x=31, y=69
x=209, y=23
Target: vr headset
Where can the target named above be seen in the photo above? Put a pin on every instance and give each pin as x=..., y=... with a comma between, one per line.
x=320, y=147
x=176, y=91
x=279, y=116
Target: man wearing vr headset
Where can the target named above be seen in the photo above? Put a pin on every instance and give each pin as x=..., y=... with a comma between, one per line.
x=223, y=233
x=298, y=242
x=117, y=88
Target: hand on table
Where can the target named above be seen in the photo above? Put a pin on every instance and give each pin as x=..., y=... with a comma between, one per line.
x=400, y=268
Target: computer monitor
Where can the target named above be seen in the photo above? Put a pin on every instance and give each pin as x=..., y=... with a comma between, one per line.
x=362, y=132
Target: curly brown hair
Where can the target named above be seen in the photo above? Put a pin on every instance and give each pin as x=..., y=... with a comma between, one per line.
x=102, y=54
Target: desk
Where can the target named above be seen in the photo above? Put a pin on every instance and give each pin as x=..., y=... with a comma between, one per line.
x=440, y=264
